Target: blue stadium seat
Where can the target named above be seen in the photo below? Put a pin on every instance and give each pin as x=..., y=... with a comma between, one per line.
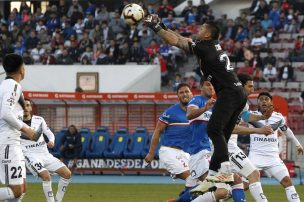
x=137, y=145
x=118, y=144
x=99, y=143
x=58, y=139
x=104, y=129
x=85, y=140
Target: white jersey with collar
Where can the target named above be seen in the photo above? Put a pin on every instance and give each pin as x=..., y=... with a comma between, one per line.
x=266, y=145
x=38, y=124
x=11, y=112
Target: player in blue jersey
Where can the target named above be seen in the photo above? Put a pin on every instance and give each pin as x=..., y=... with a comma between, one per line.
x=174, y=127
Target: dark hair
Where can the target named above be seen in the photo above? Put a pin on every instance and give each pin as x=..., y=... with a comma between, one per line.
x=182, y=85
x=26, y=99
x=244, y=77
x=12, y=62
x=265, y=94
x=214, y=30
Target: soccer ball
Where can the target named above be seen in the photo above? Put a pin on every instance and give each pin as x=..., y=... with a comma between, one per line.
x=133, y=14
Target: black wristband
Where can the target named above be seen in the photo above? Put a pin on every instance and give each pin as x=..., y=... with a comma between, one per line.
x=163, y=26
x=156, y=28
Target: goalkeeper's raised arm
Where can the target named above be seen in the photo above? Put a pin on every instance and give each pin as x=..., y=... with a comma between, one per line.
x=169, y=36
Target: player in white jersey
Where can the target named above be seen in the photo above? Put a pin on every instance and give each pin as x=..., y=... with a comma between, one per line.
x=38, y=159
x=12, y=167
x=264, y=151
x=240, y=162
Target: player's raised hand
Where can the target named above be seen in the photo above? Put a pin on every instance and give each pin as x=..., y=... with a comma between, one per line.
x=300, y=149
x=149, y=157
x=209, y=104
x=151, y=20
x=265, y=130
x=50, y=144
x=154, y=23
x=30, y=133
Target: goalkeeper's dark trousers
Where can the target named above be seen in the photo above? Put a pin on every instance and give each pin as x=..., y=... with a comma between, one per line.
x=226, y=111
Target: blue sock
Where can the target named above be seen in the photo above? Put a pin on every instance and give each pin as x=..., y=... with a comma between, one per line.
x=185, y=196
x=238, y=195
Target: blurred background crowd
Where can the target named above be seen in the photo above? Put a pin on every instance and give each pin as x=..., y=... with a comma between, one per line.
x=263, y=41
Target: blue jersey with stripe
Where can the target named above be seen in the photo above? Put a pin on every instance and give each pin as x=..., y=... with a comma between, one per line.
x=178, y=132
x=200, y=139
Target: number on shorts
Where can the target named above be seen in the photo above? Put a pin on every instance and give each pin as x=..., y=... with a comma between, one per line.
x=240, y=156
x=15, y=170
x=224, y=58
x=38, y=166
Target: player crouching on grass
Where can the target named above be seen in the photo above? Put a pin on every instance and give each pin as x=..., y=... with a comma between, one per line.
x=38, y=159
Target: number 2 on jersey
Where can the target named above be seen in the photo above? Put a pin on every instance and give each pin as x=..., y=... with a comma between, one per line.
x=15, y=173
x=224, y=58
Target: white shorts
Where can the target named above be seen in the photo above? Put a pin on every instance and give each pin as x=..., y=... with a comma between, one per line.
x=36, y=163
x=175, y=161
x=240, y=163
x=199, y=163
x=12, y=167
x=273, y=166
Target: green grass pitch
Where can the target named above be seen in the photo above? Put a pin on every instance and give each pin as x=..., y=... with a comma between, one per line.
x=134, y=193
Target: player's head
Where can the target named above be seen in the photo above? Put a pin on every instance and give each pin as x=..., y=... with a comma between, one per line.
x=13, y=64
x=264, y=101
x=28, y=107
x=209, y=31
x=184, y=93
x=206, y=87
x=247, y=82
x=72, y=129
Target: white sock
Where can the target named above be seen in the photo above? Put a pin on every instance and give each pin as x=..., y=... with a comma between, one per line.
x=292, y=194
x=16, y=199
x=6, y=193
x=190, y=182
x=206, y=197
x=48, y=192
x=62, y=186
x=257, y=192
x=212, y=172
x=225, y=167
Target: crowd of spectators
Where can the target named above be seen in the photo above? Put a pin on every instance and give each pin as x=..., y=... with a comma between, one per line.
x=91, y=34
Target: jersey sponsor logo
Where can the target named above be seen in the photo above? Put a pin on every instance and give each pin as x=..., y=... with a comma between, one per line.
x=39, y=144
x=265, y=139
x=6, y=161
x=166, y=115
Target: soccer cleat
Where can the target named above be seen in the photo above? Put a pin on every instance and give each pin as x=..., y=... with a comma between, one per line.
x=221, y=178
x=170, y=200
x=202, y=188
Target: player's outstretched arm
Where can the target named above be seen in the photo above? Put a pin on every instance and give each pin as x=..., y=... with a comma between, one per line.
x=170, y=37
x=242, y=130
x=291, y=137
x=160, y=127
x=50, y=135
